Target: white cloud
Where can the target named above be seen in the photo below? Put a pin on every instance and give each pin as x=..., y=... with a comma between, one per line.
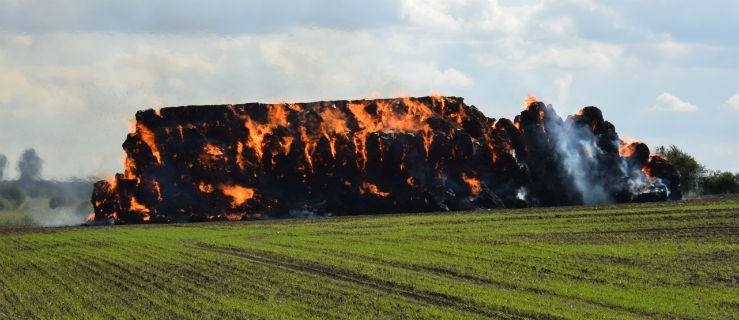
x=297, y=60
x=453, y=77
x=733, y=102
x=22, y=40
x=563, y=84
x=33, y=91
x=421, y=77
x=670, y=103
x=507, y=19
x=431, y=13
x=522, y=54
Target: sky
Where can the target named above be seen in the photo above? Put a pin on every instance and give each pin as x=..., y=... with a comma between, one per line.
x=73, y=72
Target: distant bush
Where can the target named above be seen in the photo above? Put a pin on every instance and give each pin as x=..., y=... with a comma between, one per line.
x=3, y=164
x=57, y=201
x=11, y=197
x=719, y=182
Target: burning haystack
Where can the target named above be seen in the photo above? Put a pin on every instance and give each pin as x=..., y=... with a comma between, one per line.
x=199, y=163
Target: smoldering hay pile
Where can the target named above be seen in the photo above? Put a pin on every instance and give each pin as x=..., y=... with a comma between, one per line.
x=234, y=162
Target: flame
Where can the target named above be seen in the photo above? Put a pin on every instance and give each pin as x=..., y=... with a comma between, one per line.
x=530, y=98
x=277, y=114
x=137, y=207
x=234, y=216
x=112, y=182
x=410, y=181
x=256, y=136
x=130, y=168
x=157, y=189
x=373, y=189
x=428, y=139
x=286, y=143
x=474, y=184
x=148, y=137
x=238, y=193
x=207, y=188
x=212, y=150
x=626, y=150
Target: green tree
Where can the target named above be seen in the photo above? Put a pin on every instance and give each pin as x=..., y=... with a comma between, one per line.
x=718, y=182
x=689, y=168
x=29, y=166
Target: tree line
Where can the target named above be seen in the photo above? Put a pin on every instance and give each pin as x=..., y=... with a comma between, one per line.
x=695, y=178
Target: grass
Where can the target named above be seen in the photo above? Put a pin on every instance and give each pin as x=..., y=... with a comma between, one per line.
x=658, y=260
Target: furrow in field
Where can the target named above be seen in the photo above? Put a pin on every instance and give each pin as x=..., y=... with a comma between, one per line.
x=446, y=275
x=137, y=297
x=386, y=287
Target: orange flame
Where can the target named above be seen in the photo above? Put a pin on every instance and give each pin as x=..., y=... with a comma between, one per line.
x=410, y=181
x=212, y=150
x=530, y=98
x=157, y=190
x=130, y=168
x=234, y=216
x=626, y=150
x=373, y=189
x=135, y=206
x=474, y=184
x=238, y=194
x=149, y=138
x=207, y=188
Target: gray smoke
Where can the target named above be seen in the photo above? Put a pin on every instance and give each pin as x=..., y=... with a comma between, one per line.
x=3, y=164
x=32, y=200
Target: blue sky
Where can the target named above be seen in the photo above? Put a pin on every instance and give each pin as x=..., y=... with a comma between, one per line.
x=72, y=72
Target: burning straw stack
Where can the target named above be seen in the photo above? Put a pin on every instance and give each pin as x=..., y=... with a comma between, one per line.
x=199, y=163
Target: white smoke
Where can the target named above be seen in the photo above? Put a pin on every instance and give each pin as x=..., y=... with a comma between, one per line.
x=522, y=193
x=578, y=155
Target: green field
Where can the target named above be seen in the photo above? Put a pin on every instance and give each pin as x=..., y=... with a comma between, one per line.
x=659, y=260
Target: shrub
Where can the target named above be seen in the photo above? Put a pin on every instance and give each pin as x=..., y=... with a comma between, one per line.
x=718, y=182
